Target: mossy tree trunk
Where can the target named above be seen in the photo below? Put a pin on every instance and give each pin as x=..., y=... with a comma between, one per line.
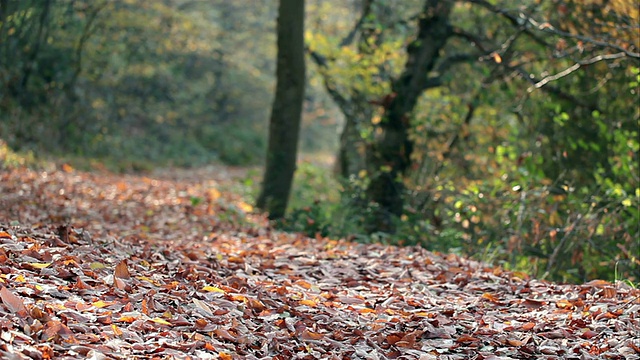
x=286, y=112
x=390, y=154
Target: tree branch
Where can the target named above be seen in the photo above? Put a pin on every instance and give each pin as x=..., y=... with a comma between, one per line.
x=522, y=20
x=573, y=68
x=352, y=34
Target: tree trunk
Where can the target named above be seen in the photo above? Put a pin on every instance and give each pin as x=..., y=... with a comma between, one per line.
x=286, y=111
x=390, y=155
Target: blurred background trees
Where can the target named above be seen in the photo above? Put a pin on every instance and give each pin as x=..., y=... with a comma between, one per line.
x=521, y=148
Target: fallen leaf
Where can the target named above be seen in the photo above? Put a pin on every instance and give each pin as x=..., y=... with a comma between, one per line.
x=13, y=302
x=212, y=289
x=122, y=271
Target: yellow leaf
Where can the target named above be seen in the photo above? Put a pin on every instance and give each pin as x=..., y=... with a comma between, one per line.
x=161, y=321
x=212, y=289
x=100, y=304
x=39, y=265
x=127, y=319
x=245, y=207
x=307, y=302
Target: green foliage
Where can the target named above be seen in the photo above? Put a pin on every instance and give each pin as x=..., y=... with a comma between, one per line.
x=551, y=231
x=10, y=159
x=139, y=84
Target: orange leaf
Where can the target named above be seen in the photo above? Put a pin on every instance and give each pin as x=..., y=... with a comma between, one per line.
x=201, y=323
x=127, y=319
x=303, y=284
x=144, y=307
x=82, y=306
x=490, y=297
x=5, y=235
x=224, y=356
x=238, y=298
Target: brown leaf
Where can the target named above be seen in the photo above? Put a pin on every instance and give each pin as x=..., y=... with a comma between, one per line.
x=224, y=334
x=466, y=339
x=310, y=335
x=119, y=284
x=58, y=332
x=122, y=271
x=528, y=326
x=13, y=302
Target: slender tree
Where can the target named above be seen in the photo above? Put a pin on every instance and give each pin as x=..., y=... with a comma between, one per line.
x=286, y=111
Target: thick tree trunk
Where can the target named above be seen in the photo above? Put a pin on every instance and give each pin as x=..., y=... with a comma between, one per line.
x=390, y=155
x=287, y=110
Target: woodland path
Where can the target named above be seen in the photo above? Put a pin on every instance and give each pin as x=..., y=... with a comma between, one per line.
x=176, y=265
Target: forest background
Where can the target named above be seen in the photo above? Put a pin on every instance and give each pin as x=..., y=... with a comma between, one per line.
x=524, y=139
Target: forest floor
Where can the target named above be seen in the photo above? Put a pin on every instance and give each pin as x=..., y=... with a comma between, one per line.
x=175, y=265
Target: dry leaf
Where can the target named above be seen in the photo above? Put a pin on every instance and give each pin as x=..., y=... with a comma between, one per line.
x=13, y=302
x=122, y=271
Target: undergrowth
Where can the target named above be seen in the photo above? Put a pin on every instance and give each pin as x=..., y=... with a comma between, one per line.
x=569, y=237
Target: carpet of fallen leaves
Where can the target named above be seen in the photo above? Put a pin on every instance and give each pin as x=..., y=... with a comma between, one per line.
x=104, y=266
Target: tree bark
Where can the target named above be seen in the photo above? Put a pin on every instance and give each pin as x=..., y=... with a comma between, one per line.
x=284, y=126
x=390, y=154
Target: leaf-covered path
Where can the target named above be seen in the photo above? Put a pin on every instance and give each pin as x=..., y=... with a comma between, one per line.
x=103, y=266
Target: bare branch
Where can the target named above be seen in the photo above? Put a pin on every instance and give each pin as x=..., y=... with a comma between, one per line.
x=554, y=90
x=548, y=28
x=573, y=68
x=522, y=20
